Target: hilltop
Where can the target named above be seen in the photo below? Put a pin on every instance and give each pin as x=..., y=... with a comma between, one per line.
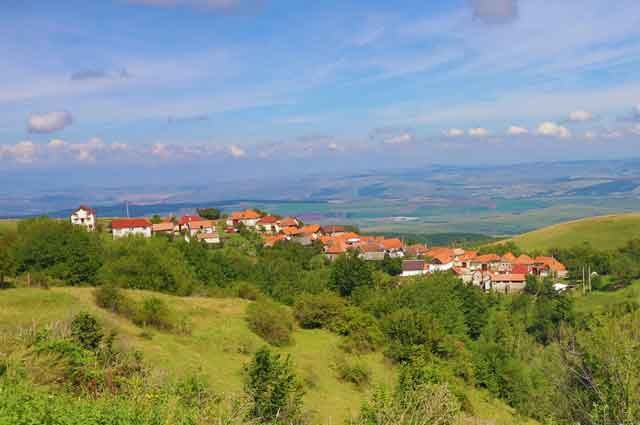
x=602, y=232
x=220, y=345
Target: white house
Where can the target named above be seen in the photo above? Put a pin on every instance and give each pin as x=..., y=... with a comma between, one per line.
x=123, y=227
x=209, y=238
x=84, y=216
x=201, y=226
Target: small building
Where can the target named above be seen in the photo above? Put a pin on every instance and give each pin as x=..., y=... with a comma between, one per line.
x=164, y=228
x=269, y=225
x=201, y=226
x=183, y=222
x=440, y=262
x=509, y=282
x=393, y=247
x=123, y=227
x=417, y=250
x=371, y=251
x=208, y=238
x=414, y=268
x=249, y=218
x=288, y=222
x=333, y=230
x=84, y=216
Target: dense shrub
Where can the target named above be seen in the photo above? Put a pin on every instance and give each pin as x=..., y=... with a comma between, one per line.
x=349, y=272
x=353, y=371
x=318, y=310
x=273, y=388
x=360, y=328
x=57, y=248
x=154, y=312
x=411, y=331
x=248, y=291
x=271, y=321
x=87, y=332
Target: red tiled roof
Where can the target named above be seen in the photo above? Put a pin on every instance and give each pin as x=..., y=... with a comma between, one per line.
x=268, y=219
x=87, y=209
x=205, y=236
x=513, y=277
x=310, y=228
x=394, y=243
x=520, y=269
x=417, y=249
x=185, y=219
x=524, y=259
x=272, y=240
x=196, y=224
x=162, y=227
x=487, y=258
x=290, y=230
x=370, y=246
x=550, y=262
x=336, y=247
x=288, y=221
x=333, y=228
x=126, y=223
x=441, y=257
x=508, y=257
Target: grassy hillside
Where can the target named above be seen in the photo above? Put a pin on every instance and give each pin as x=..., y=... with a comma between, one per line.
x=220, y=345
x=604, y=232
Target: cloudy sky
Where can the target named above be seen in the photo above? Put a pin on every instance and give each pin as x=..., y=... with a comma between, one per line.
x=253, y=85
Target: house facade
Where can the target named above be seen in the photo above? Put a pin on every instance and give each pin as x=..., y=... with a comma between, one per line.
x=123, y=227
x=84, y=216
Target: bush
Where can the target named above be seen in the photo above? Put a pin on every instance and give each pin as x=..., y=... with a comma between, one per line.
x=360, y=329
x=154, y=312
x=86, y=331
x=318, y=311
x=271, y=321
x=353, y=371
x=247, y=291
x=273, y=388
x=110, y=298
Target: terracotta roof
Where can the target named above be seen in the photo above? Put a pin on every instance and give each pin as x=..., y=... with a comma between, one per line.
x=336, y=247
x=333, y=228
x=290, y=230
x=186, y=219
x=439, y=251
x=524, y=259
x=125, y=223
x=162, y=227
x=520, y=268
x=310, y=228
x=204, y=236
x=394, y=243
x=268, y=219
x=417, y=249
x=349, y=235
x=370, y=246
x=508, y=257
x=550, y=262
x=487, y=258
x=469, y=255
x=87, y=209
x=442, y=258
x=196, y=224
x=272, y=240
x=413, y=265
x=512, y=277
x=289, y=221
x=244, y=215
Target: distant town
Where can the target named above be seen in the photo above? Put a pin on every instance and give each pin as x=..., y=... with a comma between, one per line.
x=502, y=273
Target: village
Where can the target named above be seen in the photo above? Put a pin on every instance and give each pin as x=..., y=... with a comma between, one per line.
x=505, y=273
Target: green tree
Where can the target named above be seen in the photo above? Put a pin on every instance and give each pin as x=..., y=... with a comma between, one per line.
x=7, y=260
x=273, y=388
x=349, y=272
x=59, y=249
x=209, y=213
x=87, y=332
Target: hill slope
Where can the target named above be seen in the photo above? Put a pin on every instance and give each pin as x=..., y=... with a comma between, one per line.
x=603, y=232
x=220, y=345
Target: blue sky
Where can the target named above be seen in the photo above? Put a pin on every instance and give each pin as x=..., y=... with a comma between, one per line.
x=254, y=85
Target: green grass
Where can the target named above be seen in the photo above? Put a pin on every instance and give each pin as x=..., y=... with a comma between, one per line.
x=604, y=232
x=8, y=225
x=602, y=301
x=220, y=345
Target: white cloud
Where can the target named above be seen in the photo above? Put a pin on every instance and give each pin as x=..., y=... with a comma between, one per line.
x=333, y=147
x=515, y=130
x=454, y=132
x=495, y=11
x=612, y=134
x=635, y=129
x=49, y=122
x=553, y=130
x=399, y=139
x=237, y=151
x=22, y=152
x=580, y=116
x=478, y=132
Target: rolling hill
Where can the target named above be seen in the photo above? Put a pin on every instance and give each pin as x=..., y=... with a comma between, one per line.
x=603, y=232
x=221, y=344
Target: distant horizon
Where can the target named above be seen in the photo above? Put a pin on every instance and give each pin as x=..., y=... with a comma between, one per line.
x=264, y=88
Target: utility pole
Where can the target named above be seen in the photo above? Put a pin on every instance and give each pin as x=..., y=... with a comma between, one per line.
x=584, y=289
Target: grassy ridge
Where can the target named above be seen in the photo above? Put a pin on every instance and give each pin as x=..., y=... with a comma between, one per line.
x=220, y=345
x=604, y=232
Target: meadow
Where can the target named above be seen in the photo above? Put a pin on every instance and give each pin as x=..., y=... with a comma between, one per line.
x=221, y=344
